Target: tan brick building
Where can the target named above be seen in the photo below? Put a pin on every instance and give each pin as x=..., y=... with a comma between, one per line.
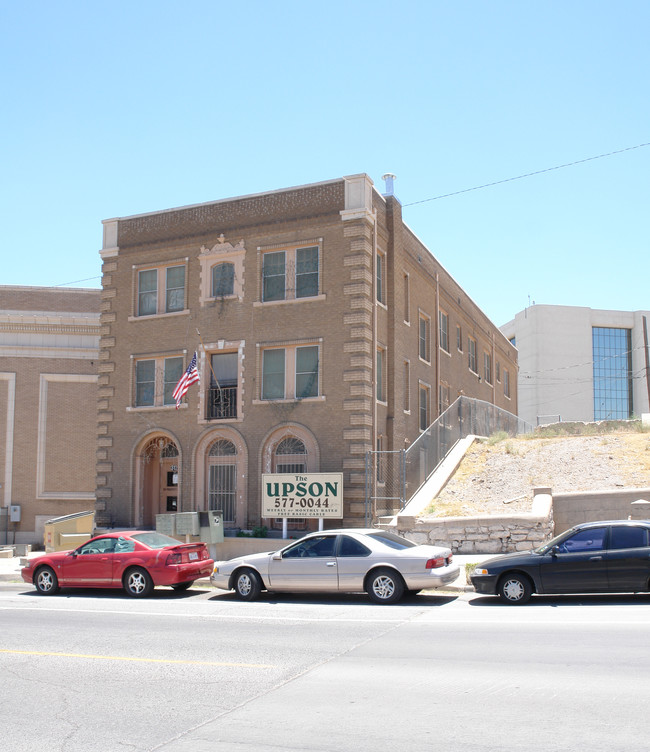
x=324, y=329
x=49, y=352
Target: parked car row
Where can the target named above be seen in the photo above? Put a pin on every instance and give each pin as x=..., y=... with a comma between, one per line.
x=595, y=557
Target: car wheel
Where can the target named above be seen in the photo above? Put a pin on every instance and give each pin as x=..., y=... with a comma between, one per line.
x=248, y=585
x=515, y=589
x=182, y=586
x=138, y=583
x=384, y=586
x=45, y=581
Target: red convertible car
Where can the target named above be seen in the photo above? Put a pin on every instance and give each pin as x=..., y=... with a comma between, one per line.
x=134, y=560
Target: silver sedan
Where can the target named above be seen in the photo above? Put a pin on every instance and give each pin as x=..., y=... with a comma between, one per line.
x=382, y=564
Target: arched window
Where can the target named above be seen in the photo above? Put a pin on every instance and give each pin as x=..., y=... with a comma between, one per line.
x=223, y=280
x=290, y=456
x=222, y=479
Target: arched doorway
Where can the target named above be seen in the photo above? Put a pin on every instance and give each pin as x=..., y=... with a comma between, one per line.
x=221, y=460
x=159, y=466
x=222, y=479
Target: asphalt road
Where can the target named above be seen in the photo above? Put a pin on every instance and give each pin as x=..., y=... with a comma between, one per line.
x=201, y=671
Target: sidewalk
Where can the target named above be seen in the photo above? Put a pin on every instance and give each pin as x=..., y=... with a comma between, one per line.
x=10, y=570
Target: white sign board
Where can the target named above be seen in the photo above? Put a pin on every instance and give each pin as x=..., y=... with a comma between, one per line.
x=305, y=495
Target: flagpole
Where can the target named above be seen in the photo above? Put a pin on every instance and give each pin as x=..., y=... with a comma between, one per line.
x=214, y=376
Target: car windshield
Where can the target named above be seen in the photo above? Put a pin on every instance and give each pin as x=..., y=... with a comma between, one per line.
x=155, y=540
x=391, y=540
x=546, y=547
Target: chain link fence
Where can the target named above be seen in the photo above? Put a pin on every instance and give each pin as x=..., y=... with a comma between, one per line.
x=393, y=477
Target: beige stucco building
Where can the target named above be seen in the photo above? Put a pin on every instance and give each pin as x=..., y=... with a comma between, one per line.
x=580, y=364
x=324, y=328
x=49, y=351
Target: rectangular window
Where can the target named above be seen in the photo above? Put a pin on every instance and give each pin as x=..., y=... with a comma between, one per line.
x=290, y=274
x=155, y=380
x=612, y=370
x=425, y=338
x=148, y=292
x=273, y=374
x=145, y=382
x=444, y=330
x=175, y=289
x=380, y=279
x=291, y=372
x=424, y=407
x=274, y=276
x=487, y=367
x=407, y=386
x=506, y=382
x=407, y=299
x=223, y=390
x=171, y=279
x=471, y=354
x=381, y=374
x=459, y=339
x=443, y=398
x=307, y=371
x=172, y=372
x=306, y=272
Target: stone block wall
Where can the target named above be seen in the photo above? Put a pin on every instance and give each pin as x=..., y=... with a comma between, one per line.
x=489, y=534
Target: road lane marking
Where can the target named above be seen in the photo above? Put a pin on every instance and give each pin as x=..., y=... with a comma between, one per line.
x=135, y=659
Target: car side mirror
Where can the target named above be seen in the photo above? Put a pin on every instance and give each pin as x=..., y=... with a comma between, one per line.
x=555, y=551
x=277, y=557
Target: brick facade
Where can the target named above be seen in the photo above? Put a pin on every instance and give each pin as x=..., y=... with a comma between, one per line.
x=317, y=287
x=49, y=352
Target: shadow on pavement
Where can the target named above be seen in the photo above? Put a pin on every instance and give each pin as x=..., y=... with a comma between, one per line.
x=559, y=601
x=159, y=593
x=325, y=599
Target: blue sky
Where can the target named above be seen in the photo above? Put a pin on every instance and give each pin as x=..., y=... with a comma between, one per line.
x=118, y=108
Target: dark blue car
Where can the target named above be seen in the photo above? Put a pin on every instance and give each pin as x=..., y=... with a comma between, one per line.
x=595, y=557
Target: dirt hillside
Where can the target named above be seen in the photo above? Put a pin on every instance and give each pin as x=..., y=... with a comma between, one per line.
x=499, y=477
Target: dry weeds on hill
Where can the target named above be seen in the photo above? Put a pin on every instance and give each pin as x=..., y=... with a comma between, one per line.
x=499, y=477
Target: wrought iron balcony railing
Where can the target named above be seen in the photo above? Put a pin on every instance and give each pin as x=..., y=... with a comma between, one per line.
x=222, y=402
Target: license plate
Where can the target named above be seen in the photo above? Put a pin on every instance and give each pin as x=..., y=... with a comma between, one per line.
x=193, y=556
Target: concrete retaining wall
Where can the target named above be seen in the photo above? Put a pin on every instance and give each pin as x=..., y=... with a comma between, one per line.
x=570, y=509
x=484, y=535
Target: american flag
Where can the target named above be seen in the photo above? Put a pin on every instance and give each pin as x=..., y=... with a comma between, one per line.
x=191, y=376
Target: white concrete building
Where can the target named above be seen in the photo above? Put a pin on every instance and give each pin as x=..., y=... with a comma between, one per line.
x=580, y=364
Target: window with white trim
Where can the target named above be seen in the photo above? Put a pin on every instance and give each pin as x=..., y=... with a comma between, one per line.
x=290, y=274
x=444, y=330
x=425, y=338
x=424, y=406
x=487, y=367
x=381, y=374
x=381, y=282
x=407, y=386
x=155, y=380
x=471, y=355
x=290, y=372
x=222, y=389
x=443, y=398
x=407, y=299
x=160, y=290
x=222, y=271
